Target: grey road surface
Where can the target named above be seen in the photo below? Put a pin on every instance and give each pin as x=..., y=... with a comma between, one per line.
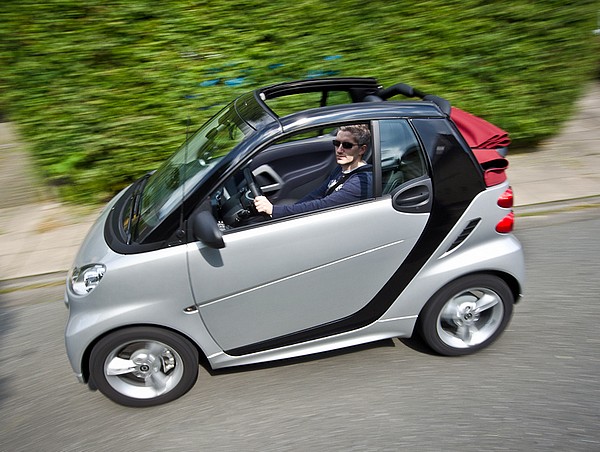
x=535, y=389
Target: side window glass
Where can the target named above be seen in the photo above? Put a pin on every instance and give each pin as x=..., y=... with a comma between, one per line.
x=301, y=173
x=401, y=156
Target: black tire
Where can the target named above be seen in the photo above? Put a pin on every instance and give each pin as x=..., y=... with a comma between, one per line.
x=150, y=366
x=466, y=315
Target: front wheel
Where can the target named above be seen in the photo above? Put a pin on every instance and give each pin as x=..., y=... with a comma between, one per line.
x=143, y=366
x=466, y=315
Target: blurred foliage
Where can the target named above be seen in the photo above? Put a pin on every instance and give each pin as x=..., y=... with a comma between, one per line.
x=102, y=90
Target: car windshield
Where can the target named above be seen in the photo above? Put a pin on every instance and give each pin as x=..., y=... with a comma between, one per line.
x=176, y=177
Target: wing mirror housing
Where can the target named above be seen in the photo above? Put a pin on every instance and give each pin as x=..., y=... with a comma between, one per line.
x=206, y=229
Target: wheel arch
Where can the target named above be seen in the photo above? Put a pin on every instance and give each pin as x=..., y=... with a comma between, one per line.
x=85, y=358
x=510, y=280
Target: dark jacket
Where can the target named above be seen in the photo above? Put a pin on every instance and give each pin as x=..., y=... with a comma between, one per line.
x=354, y=186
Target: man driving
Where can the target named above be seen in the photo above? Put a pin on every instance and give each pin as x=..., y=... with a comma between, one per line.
x=351, y=181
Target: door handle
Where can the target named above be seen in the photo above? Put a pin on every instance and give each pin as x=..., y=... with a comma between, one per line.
x=413, y=197
x=416, y=197
x=270, y=174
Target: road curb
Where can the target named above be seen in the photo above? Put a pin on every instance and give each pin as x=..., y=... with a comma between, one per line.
x=33, y=281
x=545, y=208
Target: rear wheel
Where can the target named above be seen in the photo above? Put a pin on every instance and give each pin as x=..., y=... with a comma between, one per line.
x=143, y=366
x=466, y=315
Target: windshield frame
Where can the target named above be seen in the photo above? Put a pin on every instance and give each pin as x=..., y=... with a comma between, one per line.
x=199, y=156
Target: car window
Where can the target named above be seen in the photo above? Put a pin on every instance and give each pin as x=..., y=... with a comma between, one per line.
x=401, y=155
x=298, y=174
x=167, y=186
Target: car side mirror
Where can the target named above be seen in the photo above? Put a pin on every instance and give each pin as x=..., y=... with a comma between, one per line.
x=206, y=230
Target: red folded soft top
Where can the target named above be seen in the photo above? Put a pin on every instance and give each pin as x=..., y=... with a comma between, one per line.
x=479, y=133
x=488, y=143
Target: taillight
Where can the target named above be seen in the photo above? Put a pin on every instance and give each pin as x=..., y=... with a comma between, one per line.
x=506, y=201
x=507, y=224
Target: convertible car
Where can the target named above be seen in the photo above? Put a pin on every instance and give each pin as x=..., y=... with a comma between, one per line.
x=180, y=266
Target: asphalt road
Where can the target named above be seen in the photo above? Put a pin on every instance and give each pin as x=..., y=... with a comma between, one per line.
x=535, y=389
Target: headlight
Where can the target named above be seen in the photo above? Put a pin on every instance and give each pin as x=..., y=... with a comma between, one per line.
x=85, y=279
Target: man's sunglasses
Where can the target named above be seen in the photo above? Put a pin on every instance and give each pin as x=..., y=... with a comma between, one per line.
x=345, y=144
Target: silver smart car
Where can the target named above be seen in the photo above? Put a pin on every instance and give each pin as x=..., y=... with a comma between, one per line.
x=183, y=265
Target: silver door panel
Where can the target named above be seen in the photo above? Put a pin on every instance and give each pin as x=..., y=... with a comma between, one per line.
x=290, y=275
x=300, y=301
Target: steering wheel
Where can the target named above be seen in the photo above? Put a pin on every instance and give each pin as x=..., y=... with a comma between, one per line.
x=239, y=209
x=251, y=183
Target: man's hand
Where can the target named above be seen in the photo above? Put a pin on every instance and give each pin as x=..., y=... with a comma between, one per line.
x=263, y=205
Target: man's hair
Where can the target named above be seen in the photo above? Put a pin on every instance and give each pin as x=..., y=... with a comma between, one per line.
x=360, y=132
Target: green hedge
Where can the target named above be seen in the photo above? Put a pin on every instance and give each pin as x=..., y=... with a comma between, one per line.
x=102, y=90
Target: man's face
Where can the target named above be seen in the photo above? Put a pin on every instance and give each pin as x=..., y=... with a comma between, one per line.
x=348, y=158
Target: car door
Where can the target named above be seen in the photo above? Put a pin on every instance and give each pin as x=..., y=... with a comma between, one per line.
x=309, y=276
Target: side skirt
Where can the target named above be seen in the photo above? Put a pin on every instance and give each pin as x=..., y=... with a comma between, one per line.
x=384, y=329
